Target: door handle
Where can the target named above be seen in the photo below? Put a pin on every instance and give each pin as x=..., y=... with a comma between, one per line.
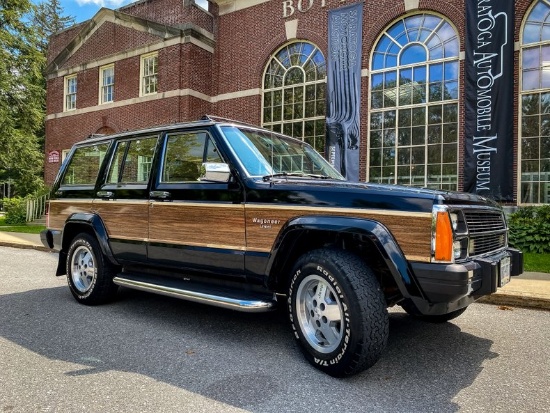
x=163, y=195
x=105, y=194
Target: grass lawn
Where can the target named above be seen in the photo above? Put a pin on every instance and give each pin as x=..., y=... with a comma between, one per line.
x=536, y=262
x=28, y=229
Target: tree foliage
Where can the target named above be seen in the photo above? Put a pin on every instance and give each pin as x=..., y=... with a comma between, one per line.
x=24, y=29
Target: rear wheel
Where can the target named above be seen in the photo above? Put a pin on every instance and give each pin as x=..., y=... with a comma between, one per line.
x=337, y=312
x=89, y=273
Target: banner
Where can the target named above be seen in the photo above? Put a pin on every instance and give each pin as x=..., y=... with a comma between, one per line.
x=489, y=98
x=344, y=89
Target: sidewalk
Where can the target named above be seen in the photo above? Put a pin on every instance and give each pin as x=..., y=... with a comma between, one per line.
x=530, y=290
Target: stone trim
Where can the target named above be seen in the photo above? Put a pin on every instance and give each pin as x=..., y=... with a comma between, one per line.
x=157, y=96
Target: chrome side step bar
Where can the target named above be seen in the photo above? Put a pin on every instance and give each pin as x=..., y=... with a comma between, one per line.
x=217, y=298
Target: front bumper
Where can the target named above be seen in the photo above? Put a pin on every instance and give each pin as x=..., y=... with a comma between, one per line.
x=447, y=287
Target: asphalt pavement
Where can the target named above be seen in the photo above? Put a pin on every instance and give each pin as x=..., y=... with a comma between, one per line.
x=529, y=290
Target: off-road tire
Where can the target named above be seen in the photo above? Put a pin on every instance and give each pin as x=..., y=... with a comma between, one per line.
x=337, y=312
x=89, y=273
x=411, y=309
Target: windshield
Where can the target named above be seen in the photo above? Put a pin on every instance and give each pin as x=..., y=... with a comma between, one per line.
x=263, y=153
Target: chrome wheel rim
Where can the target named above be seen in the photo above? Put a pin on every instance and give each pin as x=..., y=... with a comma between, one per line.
x=83, y=269
x=320, y=314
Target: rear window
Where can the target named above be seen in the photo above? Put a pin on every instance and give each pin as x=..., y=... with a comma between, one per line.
x=84, y=165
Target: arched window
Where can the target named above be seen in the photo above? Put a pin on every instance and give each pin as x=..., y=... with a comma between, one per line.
x=535, y=106
x=413, y=138
x=294, y=93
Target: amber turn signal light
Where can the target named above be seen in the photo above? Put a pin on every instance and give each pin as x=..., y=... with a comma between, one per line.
x=443, y=237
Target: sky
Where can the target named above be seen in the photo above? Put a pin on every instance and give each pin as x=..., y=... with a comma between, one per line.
x=86, y=9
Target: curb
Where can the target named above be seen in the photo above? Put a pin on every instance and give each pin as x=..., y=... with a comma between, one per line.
x=25, y=246
x=513, y=300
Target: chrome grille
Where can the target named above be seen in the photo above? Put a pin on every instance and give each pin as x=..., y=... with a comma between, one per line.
x=487, y=230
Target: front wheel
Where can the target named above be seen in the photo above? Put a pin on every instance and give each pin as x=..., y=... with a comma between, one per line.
x=337, y=311
x=89, y=273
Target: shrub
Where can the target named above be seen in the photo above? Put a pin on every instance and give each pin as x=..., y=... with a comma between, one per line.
x=16, y=211
x=530, y=229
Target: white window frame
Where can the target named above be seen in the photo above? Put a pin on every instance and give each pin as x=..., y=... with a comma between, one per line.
x=67, y=92
x=102, y=86
x=142, y=75
x=542, y=177
x=315, y=119
x=451, y=183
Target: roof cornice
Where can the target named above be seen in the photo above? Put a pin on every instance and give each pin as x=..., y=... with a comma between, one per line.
x=104, y=15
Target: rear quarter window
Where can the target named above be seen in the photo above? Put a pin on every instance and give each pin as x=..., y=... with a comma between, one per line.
x=84, y=165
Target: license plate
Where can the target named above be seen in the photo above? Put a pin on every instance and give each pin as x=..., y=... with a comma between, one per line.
x=504, y=271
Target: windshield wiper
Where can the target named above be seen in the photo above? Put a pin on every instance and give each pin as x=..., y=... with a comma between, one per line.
x=301, y=175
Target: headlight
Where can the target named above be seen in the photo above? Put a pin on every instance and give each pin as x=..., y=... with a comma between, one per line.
x=457, y=249
x=454, y=220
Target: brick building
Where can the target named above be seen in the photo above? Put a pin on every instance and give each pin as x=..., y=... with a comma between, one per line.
x=156, y=62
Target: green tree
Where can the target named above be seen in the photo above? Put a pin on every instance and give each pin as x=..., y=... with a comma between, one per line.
x=24, y=30
x=48, y=18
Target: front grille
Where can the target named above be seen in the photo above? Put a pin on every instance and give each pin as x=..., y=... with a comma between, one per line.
x=487, y=230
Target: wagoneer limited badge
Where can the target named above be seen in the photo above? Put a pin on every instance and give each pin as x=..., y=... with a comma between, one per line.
x=266, y=223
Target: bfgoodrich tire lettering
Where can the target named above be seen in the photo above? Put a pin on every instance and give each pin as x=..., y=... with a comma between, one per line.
x=337, y=312
x=89, y=274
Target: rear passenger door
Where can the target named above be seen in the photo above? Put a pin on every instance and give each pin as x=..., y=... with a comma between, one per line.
x=195, y=225
x=122, y=198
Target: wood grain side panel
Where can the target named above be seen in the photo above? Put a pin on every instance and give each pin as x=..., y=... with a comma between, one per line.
x=60, y=210
x=124, y=219
x=412, y=232
x=215, y=226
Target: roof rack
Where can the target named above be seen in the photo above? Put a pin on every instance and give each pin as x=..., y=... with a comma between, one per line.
x=215, y=118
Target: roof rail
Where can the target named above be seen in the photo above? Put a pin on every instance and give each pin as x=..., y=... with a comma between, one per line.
x=215, y=118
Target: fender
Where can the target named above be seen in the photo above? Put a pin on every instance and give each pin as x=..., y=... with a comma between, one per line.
x=95, y=223
x=377, y=233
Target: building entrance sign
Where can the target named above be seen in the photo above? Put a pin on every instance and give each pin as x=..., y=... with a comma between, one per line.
x=489, y=99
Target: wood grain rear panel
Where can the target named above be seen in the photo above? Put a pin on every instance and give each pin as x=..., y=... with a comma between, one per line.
x=61, y=209
x=124, y=219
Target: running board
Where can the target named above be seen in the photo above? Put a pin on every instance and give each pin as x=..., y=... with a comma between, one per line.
x=171, y=287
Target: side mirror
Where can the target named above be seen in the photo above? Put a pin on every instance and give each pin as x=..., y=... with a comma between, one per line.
x=215, y=172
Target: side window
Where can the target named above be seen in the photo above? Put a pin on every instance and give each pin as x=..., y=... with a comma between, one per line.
x=184, y=155
x=132, y=161
x=84, y=165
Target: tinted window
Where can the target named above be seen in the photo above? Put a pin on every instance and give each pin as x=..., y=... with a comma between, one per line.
x=84, y=165
x=132, y=161
x=184, y=155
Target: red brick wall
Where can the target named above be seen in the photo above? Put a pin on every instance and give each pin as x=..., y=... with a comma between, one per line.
x=171, y=12
x=60, y=40
x=108, y=40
